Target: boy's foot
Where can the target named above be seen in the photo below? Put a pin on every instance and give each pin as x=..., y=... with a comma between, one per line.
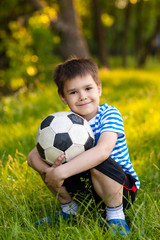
x=55, y=218
x=119, y=226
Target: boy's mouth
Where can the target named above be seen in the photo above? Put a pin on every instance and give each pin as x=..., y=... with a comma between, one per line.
x=83, y=104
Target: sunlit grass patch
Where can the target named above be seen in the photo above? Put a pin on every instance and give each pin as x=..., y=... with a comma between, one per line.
x=134, y=84
x=23, y=196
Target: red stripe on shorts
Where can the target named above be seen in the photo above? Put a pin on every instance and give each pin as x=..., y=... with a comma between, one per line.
x=133, y=189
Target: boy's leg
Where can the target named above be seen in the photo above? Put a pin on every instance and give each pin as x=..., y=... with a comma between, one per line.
x=34, y=160
x=116, y=175
x=109, y=181
x=107, y=189
x=69, y=207
x=62, y=194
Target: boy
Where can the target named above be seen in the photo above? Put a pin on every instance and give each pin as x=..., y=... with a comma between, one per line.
x=107, y=163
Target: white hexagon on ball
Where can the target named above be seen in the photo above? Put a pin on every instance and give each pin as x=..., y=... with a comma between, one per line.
x=78, y=134
x=51, y=154
x=46, y=137
x=73, y=151
x=61, y=124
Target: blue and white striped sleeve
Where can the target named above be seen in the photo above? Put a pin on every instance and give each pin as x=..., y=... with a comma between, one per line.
x=111, y=121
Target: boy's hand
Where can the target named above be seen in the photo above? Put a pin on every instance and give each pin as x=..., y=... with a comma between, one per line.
x=53, y=175
x=53, y=178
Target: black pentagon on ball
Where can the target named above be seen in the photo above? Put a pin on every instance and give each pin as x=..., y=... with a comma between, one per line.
x=40, y=150
x=62, y=141
x=76, y=119
x=89, y=143
x=46, y=122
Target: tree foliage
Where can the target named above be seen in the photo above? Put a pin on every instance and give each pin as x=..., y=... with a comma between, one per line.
x=36, y=34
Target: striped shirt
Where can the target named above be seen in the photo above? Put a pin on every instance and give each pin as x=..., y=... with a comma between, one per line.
x=108, y=119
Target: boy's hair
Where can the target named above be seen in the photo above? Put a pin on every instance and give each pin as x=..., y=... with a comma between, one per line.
x=72, y=68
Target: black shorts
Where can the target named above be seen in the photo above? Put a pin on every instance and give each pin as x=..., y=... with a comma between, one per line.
x=80, y=182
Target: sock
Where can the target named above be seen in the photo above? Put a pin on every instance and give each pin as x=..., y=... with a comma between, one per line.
x=70, y=208
x=115, y=213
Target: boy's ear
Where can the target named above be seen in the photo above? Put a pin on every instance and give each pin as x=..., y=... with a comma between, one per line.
x=100, y=89
x=62, y=98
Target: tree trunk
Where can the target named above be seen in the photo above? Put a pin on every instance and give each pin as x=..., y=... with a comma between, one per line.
x=72, y=40
x=144, y=48
x=125, y=34
x=139, y=28
x=148, y=45
x=99, y=34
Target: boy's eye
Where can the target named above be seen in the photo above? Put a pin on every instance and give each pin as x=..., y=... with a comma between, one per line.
x=74, y=92
x=88, y=88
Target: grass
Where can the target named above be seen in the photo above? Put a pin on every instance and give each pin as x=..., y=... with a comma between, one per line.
x=23, y=196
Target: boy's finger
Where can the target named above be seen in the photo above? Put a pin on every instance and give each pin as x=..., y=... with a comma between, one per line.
x=59, y=161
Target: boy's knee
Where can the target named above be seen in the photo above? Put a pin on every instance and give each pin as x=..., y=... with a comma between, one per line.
x=29, y=159
x=95, y=173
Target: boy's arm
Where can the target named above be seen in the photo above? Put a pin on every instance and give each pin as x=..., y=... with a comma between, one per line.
x=34, y=160
x=85, y=161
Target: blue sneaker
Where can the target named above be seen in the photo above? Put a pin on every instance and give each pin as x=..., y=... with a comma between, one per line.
x=119, y=226
x=55, y=218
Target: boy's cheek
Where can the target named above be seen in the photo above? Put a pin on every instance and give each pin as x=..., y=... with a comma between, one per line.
x=63, y=99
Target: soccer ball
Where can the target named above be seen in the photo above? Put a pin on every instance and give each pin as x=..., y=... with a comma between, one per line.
x=63, y=133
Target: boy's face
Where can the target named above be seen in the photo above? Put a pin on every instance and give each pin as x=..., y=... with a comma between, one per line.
x=82, y=96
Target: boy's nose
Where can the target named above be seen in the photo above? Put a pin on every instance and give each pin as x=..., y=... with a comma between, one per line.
x=82, y=96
